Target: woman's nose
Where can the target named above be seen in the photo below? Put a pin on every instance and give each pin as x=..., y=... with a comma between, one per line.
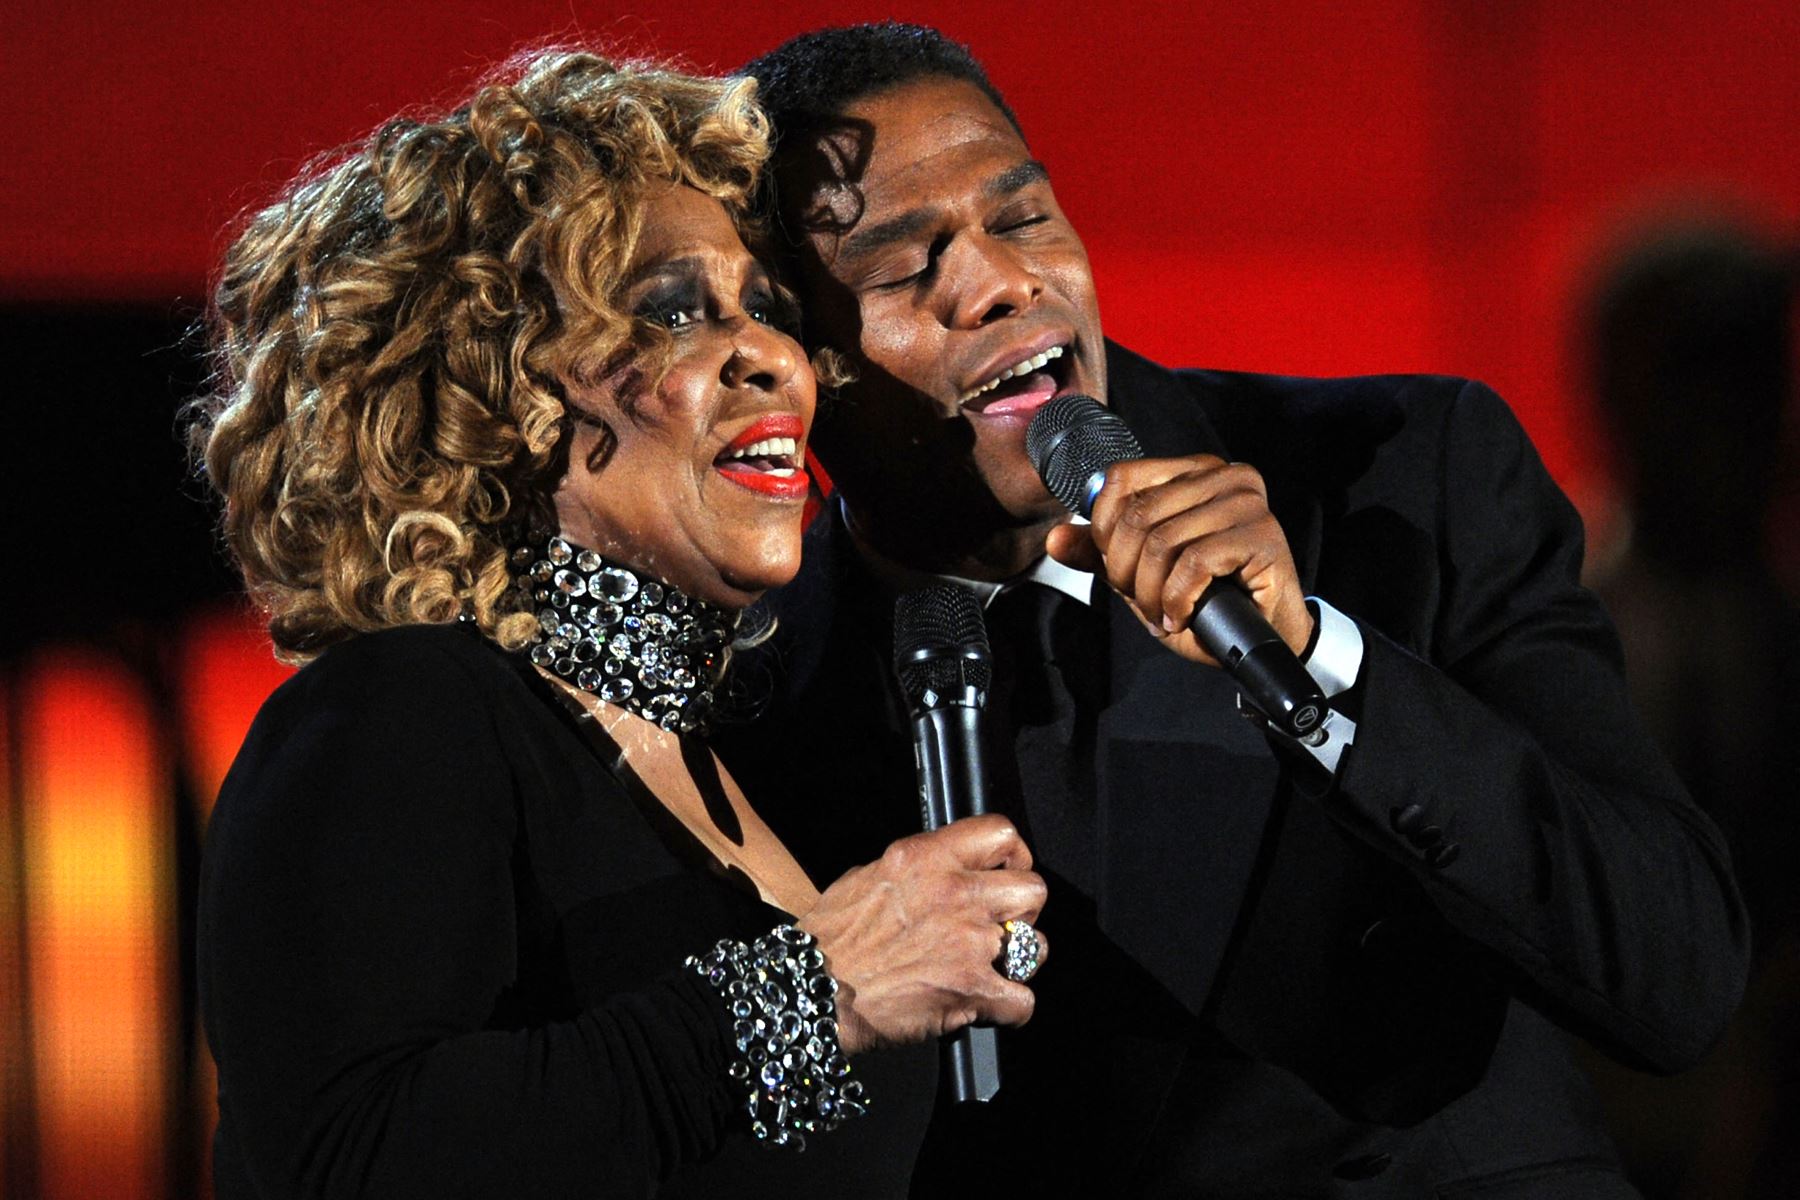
x=761, y=357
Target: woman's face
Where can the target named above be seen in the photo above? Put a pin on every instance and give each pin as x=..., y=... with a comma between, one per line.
x=699, y=481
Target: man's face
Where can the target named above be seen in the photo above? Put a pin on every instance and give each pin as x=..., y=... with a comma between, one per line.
x=938, y=261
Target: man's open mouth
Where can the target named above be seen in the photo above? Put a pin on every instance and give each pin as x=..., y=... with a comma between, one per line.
x=1021, y=388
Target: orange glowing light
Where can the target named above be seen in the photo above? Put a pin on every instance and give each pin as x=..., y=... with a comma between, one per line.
x=13, y=1052
x=98, y=880
x=227, y=669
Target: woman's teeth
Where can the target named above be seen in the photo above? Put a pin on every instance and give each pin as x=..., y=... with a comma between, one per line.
x=1034, y=363
x=768, y=448
x=784, y=450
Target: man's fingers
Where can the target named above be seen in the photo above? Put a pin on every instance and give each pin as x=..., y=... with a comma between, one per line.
x=1126, y=479
x=1199, y=501
x=1231, y=552
x=1073, y=546
x=1221, y=528
x=1169, y=484
x=1167, y=528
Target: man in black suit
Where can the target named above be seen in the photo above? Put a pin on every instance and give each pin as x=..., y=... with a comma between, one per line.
x=1278, y=971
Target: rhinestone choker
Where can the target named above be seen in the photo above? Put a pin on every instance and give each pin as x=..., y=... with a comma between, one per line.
x=631, y=640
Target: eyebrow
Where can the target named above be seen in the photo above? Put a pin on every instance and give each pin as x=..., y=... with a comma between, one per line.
x=915, y=220
x=687, y=265
x=1015, y=179
x=886, y=233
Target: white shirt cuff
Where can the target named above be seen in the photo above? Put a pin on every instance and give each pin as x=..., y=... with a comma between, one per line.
x=1334, y=663
x=1337, y=653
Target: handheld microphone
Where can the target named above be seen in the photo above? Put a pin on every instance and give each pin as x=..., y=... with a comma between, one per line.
x=941, y=656
x=1071, y=442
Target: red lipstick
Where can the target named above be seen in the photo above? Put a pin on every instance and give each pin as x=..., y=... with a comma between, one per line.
x=775, y=425
x=780, y=475
x=777, y=487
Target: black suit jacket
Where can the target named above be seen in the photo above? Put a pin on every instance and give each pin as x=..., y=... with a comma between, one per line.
x=1276, y=984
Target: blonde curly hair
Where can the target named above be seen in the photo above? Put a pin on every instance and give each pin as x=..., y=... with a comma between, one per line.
x=391, y=336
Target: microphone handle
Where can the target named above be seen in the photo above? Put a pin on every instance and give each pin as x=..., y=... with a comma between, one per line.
x=952, y=784
x=1227, y=622
x=952, y=772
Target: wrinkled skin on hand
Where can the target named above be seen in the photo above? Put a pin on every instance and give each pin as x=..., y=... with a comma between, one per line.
x=912, y=937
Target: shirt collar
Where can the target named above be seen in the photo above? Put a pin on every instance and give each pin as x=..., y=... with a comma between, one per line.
x=898, y=578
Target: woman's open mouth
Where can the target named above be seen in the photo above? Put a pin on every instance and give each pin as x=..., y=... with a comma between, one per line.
x=767, y=458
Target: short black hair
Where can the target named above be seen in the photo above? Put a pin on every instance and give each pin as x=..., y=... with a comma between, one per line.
x=808, y=80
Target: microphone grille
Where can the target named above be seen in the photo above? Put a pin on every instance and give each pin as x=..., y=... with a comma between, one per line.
x=1070, y=439
x=940, y=641
x=1052, y=421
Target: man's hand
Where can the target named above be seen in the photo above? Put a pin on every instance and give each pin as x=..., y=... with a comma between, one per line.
x=1164, y=528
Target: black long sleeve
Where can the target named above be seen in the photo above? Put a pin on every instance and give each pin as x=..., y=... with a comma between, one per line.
x=359, y=932
x=1577, y=854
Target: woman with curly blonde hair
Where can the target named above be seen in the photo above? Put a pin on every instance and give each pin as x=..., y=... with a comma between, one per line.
x=508, y=430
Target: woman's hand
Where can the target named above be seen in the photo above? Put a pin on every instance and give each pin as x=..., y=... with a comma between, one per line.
x=912, y=937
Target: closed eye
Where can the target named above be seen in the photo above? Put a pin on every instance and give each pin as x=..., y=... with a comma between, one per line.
x=905, y=281
x=923, y=275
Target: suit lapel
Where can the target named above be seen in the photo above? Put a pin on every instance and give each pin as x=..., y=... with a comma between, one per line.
x=1197, y=412
x=1186, y=785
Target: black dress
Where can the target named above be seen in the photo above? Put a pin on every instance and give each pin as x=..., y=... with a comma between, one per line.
x=439, y=955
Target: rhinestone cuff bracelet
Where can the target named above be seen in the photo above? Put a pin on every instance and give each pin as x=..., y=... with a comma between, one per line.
x=790, y=1068
x=631, y=640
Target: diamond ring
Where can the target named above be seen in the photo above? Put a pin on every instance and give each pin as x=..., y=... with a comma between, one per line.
x=1019, y=951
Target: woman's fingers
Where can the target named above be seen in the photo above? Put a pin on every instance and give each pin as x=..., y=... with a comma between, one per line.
x=914, y=936
x=1002, y=1002
x=981, y=842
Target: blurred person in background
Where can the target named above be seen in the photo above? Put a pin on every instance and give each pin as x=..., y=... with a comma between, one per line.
x=508, y=428
x=1692, y=353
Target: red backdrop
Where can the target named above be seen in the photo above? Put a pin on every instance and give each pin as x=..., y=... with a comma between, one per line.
x=1291, y=186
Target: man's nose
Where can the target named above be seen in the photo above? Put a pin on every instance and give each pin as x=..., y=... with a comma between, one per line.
x=993, y=281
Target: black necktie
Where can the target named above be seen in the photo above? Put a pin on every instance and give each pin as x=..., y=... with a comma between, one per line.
x=1022, y=628
x=1048, y=690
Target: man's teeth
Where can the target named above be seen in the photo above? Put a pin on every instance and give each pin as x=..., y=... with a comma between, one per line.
x=781, y=447
x=1035, y=362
